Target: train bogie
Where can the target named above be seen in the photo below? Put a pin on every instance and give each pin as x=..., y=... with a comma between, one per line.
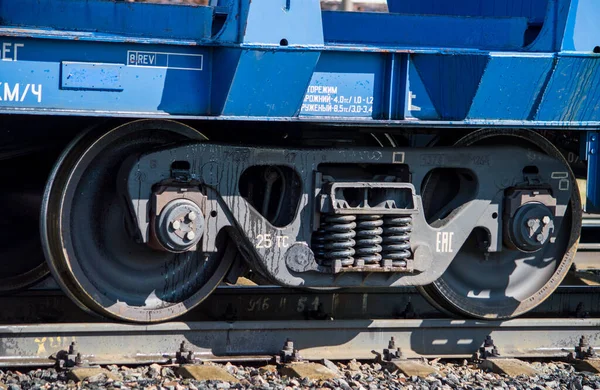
x=209, y=144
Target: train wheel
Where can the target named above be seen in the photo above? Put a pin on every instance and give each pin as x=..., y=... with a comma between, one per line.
x=87, y=242
x=509, y=283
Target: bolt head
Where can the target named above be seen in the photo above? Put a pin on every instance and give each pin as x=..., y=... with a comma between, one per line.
x=192, y=216
x=540, y=238
x=546, y=220
x=176, y=224
x=190, y=235
x=531, y=223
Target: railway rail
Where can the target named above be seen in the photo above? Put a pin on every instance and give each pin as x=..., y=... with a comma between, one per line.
x=252, y=323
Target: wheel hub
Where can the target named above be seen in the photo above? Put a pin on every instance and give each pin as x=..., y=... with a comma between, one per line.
x=180, y=225
x=531, y=226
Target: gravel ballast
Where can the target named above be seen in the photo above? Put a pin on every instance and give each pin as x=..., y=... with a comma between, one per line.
x=352, y=375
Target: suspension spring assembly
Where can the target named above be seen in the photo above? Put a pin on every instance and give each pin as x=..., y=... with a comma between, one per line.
x=396, y=239
x=363, y=241
x=368, y=240
x=335, y=240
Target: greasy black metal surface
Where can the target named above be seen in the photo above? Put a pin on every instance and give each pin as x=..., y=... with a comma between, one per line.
x=504, y=284
x=300, y=268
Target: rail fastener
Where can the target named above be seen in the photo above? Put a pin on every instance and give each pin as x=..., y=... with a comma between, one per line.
x=584, y=358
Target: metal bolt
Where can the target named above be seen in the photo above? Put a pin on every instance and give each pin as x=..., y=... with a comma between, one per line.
x=182, y=347
x=190, y=235
x=593, y=138
x=592, y=151
x=540, y=237
x=488, y=342
x=289, y=345
x=176, y=224
x=192, y=216
x=531, y=223
x=546, y=220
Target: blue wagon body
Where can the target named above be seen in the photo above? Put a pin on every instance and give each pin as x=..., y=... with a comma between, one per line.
x=527, y=63
x=428, y=65
x=509, y=62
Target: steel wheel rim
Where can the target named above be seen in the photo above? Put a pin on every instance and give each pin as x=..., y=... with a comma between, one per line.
x=446, y=293
x=102, y=270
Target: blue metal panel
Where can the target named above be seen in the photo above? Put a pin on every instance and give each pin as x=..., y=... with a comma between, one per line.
x=582, y=28
x=222, y=76
x=345, y=85
x=267, y=59
x=418, y=103
x=395, y=91
x=91, y=76
x=116, y=17
x=424, y=31
x=511, y=87
x=572, y=93
x=269, y=83
x=451, y=81
x=101, y=79
x=282, y=22
x=534, y=10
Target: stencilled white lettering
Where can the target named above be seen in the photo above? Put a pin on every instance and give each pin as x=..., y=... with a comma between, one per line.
x=563, y=180
x=267, y=241
x=10, y=51
x=18, y=92
x=443, y=242
x=325, y=98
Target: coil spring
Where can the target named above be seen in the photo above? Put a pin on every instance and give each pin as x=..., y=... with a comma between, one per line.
x=334, y=241
x=396, y=239
x=368, y=239
x=318, y=243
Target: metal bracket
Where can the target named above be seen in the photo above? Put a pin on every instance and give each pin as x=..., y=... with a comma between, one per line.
x=71, y=358
x=375, y=198
x=487, y=350
x=390, y=354
x=583, y=351
x=288, y=354
x=185, y=356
